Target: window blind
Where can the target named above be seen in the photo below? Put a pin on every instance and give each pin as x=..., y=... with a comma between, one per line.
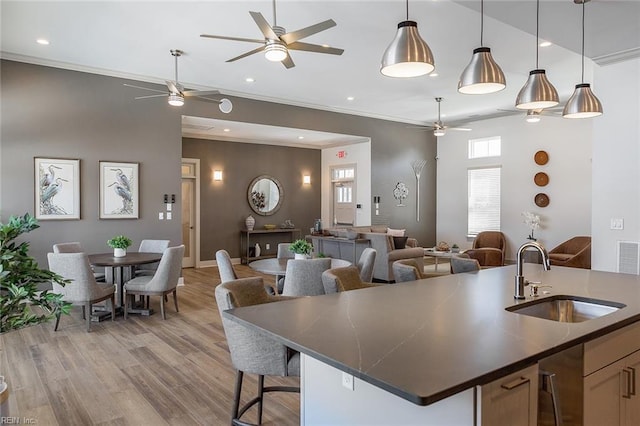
x=483, y=200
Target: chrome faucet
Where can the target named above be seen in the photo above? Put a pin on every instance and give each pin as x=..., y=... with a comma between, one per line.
x=520, y=282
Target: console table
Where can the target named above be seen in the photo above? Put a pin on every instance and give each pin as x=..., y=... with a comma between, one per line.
x=246, y=236
x=339, y=247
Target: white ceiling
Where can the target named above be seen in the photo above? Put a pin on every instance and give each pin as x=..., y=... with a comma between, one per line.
x=133, y=39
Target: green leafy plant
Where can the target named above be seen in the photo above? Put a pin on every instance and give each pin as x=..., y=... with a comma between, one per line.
x=301, y=247
x=19, y=279
x=120, y=242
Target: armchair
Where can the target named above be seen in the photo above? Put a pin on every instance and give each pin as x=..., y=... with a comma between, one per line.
x=387, y=253
x=488, y=248
x=575, y=253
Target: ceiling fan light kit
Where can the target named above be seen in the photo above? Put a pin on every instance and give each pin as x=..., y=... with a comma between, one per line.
x=275, y=51
x=538, y=92
x=583, y=103
x=533, y=116
x=482, y=75
x=175, y=100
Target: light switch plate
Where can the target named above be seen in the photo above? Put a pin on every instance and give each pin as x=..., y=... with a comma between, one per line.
x=169, y=216
x=161, y=216
x=617, y=223
x=347, y=380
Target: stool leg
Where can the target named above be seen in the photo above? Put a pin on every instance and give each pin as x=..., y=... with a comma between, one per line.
x=236, y=396
x=260, y=396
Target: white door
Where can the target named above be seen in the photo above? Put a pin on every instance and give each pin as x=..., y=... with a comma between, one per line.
x=190, y=212
x=343, y=203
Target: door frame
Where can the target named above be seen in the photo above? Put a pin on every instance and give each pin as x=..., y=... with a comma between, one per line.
x=354, y=187
x=196, y=206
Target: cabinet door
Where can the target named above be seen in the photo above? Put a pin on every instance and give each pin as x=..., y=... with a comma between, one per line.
x=603, y=402
x=511, y=400
x=632, y=388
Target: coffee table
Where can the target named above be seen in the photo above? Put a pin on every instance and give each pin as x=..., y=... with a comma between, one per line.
x=430, y=252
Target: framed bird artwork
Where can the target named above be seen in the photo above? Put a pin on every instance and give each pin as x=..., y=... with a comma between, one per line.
x=118, y=190
x=57, y=188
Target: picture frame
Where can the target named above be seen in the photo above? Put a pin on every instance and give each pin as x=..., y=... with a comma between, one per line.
x=119, y=191
x=56, y=188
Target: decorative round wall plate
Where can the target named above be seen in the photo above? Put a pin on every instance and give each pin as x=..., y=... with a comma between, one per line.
x=541, y=200
x=541, y=179
x=541, y=158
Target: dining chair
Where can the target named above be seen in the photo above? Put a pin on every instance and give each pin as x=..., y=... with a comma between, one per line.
x=461, y=263
x=163, y=282
x=83, y=290
x=225, y=268
x=303, y=277
x=150, y=246
x=407, y=270
x=283, y=253
x=344, y=279
x=253, y=352
x=76, y=247
x=365, y=264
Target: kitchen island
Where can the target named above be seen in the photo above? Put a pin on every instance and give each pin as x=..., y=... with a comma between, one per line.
x=429, y=344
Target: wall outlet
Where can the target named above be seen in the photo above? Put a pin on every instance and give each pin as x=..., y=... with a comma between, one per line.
x=347, y=380
x=268, y=246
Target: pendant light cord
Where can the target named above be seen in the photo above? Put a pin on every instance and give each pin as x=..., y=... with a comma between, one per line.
x=582, y=78
x=537, y=29
x=176, y=67
x=407, y=9
x=481, y=21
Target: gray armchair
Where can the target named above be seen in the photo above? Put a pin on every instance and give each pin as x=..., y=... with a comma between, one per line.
x=150, y=246
x=407, y=270
x=461, y=263
x=344, y=279
x=225, y=268
x=83, y=289
x=365, y=264
x=163, y=282
x=387, y=253
x=253, y=352
x=304, y=277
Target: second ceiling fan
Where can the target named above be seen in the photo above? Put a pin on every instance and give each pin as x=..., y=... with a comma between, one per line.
x=439, y=128
x=277, y=42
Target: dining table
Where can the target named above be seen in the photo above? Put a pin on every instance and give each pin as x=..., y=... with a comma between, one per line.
x=119, y=270
x=278, y=266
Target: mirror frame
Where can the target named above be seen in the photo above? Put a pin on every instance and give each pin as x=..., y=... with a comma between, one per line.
x=280, y=195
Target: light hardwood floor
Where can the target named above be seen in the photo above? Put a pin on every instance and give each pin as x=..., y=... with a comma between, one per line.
x=143, y=371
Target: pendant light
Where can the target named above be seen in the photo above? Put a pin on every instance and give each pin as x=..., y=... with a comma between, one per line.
x=482, y=75
x=408, y=55
x=583, y=103
x=538, y=92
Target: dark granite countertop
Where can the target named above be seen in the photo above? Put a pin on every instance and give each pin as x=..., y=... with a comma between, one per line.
x=427, y=340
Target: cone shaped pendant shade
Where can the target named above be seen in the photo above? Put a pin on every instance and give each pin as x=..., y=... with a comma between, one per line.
x=407, y=55
x=482, y=75
x=583, y=103
x=538, y=92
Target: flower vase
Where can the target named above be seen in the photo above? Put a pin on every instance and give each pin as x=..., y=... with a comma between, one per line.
x=250, y=223
x=257, y=250
x=119, y=252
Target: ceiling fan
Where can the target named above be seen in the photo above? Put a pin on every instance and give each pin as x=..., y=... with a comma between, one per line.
x=277, y=42
x=535, y=115
x=439, y=128
x=177, y=92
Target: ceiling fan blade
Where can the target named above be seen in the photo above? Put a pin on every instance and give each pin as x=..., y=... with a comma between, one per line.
x=144, y=88
x=460, y=129
x=307, y=47
x=200, y=93
x=244, y=55
x=307, y=31
x=250, y=40
x=288, y=62
x=151, y=96
x=172, y=86
x=264, y=26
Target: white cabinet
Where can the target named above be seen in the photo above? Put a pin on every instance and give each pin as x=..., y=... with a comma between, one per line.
x=611, y=386
x=510, y=400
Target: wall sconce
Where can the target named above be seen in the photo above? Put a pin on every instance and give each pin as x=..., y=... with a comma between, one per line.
x=217, y=175
x=306, y=179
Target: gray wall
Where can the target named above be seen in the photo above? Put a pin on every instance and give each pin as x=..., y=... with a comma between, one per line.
x=60, y=113
x=224, y=206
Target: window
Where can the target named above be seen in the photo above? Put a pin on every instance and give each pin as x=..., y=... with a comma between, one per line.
x=483, y=200
x=484, y=147
x=343, y=173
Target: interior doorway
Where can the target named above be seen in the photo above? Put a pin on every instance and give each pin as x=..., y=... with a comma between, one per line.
x=343, y=205
x=191, y=212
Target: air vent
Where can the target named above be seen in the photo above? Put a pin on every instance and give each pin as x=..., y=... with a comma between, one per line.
x=629, y=257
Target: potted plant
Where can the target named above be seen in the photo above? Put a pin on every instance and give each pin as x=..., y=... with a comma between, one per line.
x=20, y=277
x=119, y=245
x=301, y=248
x=455, y=249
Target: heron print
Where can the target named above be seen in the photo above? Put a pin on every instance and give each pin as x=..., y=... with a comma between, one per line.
x=56, y=189
x=119, y=190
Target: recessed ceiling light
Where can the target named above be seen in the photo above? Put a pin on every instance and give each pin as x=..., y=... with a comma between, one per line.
x=545, y=43
x=250, y=79
x=300, y=137
x=350, y=98
x=227, y=130
x=433, y=74
x=42, y=41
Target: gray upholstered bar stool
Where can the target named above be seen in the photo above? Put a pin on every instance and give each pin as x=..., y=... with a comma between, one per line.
x=251, y=351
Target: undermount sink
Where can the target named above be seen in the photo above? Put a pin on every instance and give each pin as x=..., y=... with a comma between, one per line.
x=562, y=308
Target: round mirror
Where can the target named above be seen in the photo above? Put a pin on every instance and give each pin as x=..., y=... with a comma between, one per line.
x=265, y=195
